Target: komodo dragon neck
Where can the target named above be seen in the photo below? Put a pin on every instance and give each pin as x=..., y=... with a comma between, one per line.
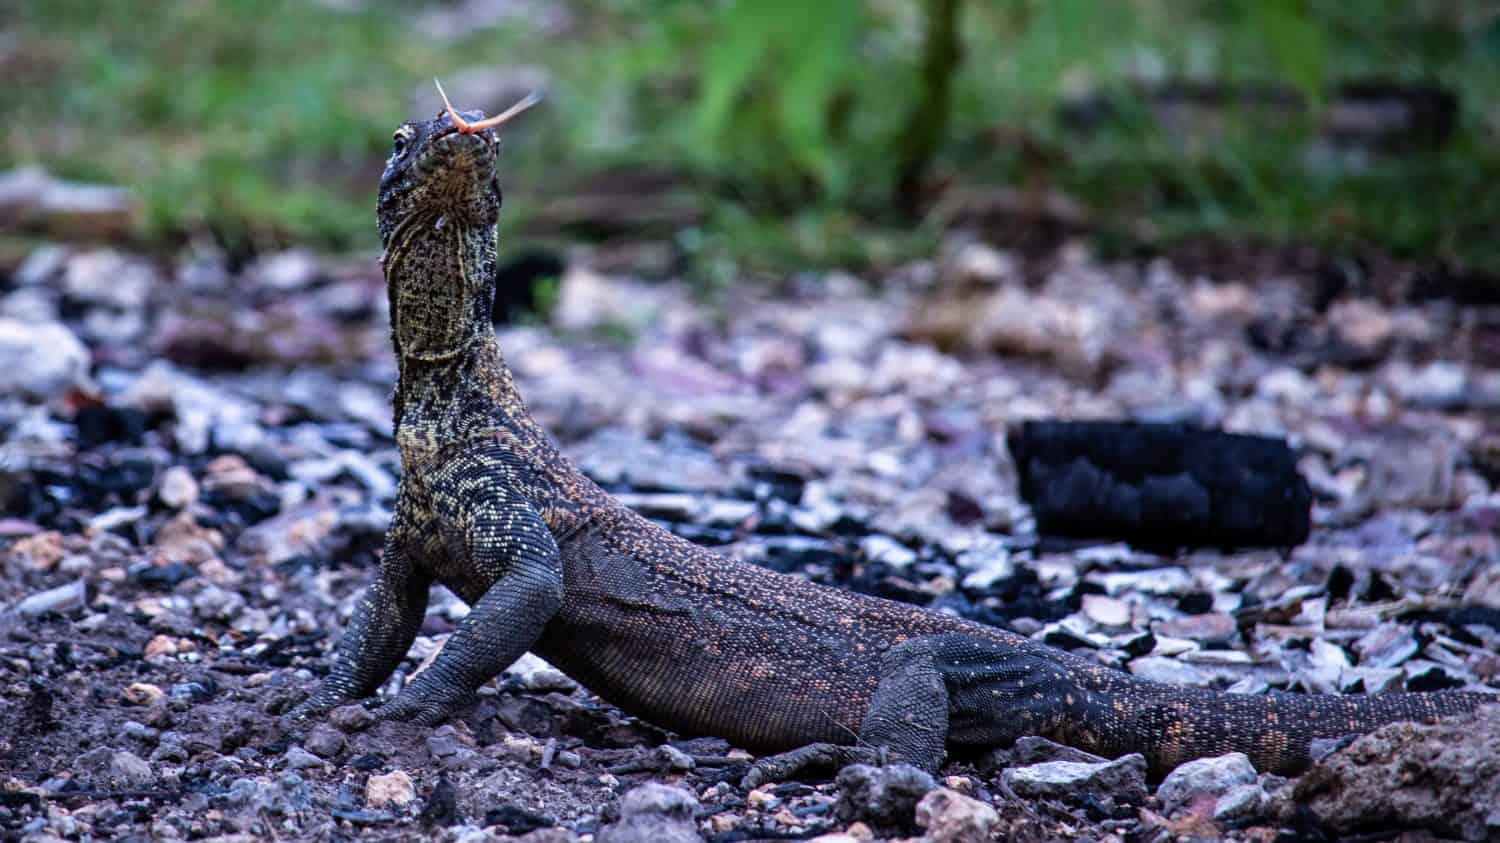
x=453, y=385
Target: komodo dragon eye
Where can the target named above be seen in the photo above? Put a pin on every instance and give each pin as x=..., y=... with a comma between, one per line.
x=399, y=141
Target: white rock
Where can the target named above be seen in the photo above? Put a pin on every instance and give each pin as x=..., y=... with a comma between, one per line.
x=1172, y=671
x=1124, y=778
x=1160, y=581
x=40, y=361
x=1216, y=776
x=1106, y=611
x=1242, y=802
x=888, y=550
x=178, y=489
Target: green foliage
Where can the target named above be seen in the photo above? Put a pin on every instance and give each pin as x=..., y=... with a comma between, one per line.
x=778, y=63
x=1295, y=40
x=804, y=124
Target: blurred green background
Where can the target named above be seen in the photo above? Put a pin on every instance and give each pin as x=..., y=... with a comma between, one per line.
x=773, y=134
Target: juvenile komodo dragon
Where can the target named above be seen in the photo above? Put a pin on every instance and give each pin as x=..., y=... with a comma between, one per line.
x=671, y=632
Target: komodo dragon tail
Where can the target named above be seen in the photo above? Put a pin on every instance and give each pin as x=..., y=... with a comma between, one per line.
x=1281, y=733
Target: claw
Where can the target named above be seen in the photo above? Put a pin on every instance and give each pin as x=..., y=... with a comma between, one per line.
x=467, y=128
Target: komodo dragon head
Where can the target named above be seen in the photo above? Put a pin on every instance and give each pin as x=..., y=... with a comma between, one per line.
x=445, y=165
x=438, y=203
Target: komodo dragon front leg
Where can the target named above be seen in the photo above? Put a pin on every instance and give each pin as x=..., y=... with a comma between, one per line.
x=500, y=546
x=383, y=626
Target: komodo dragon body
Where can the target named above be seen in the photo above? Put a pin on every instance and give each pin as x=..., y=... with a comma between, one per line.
x=678, y=635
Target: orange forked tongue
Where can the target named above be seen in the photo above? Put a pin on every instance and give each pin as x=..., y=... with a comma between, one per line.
x=472, y=128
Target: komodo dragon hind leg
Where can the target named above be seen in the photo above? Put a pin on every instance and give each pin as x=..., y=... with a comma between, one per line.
x=944, y=690
x=907, y=721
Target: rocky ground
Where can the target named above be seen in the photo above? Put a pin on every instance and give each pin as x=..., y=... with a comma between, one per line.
x=197, y=471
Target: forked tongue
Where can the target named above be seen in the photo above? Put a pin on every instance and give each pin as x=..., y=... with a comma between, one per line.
x=467, y=128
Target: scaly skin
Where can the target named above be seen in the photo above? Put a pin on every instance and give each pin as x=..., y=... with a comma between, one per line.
x=683, y=637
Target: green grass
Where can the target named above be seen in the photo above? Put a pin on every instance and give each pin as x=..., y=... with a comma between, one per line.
x=266, y=122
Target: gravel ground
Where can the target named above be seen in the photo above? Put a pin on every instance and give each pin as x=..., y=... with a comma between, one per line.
x=197, y=472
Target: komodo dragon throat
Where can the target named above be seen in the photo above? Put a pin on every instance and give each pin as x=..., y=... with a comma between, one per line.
x=683, y=637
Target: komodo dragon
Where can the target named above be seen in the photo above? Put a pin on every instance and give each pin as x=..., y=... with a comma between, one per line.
x=680, y=636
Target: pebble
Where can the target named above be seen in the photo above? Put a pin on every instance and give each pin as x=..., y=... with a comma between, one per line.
x=325, y=741
x=160, y=647
x=41, y=360
x=393, y=789
x=143, y=693
x=887, y=550
x=675, y=758
x=762, y=799
x=533, y=674
x=951, y=817
x=297, y=758
x=61, y=599
x=40, y=552
x=1386, y=646
x=1157, y=581
x=177, y=488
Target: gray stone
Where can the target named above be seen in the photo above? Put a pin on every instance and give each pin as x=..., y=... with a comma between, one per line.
x=653, y=799
x=285, y=271
x=1441, y=777
x=130, y=770
x=1386, y=646
x=1034, y=749
x=884, y=798
x=325, y=741
x=170, y=751
x=351, y=718
x=103, y=277
x=986, y=565
x=1213, y=776
x=618, y=457
x=298, y=758
x=674, y=758
x=1122, y=780
x=654, y=812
